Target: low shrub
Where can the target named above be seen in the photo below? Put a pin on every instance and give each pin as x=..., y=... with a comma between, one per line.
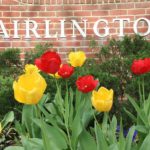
x=113, y=69
x=10, y=66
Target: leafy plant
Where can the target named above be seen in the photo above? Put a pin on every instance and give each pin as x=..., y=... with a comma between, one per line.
x=113, y=69
x=10, y=57
x=39, y=49
x=7, y=132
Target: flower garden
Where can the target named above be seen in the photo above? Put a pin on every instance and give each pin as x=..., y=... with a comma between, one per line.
x=86, y=106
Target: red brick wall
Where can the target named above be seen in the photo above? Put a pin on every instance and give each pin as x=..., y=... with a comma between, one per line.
x=54, y=10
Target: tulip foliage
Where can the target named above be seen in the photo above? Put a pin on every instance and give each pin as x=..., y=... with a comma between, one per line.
x=71, y=122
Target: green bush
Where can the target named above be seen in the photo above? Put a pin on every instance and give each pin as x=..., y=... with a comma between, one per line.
x=113, y=69
x=10, y=57
x=118, y=57
x=10, y=67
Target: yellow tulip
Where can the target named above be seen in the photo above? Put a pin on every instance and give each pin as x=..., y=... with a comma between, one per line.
x=29, y=88
x=102, y=99
x=56, y=75
x=77, y=59
x=29, y=68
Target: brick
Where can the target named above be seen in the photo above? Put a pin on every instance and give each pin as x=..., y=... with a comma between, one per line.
x=94, y=1
x=5, y=20
x=100, y=13
x=19, y=8
x=30, y=1
x=142, y=30
x=128, y=30
x=22, y=44
x=147, y=11
x=107, y=6
x=90, y=7
x=5, y=44
x=82, y=13
x=59, y=1
x=136, y=11
x=36, y=8
x=72, y=7
x=64, y=14
x=11, y=14
x=125, y=6
x=54, y=8
x=9, y=26
x=9, y=2
x=47, y=14
x=72, y=44
x=142, y=5
x=141, y=16
x=29, y=14
x=117, y=12
x=53, y=2
x=4, y=8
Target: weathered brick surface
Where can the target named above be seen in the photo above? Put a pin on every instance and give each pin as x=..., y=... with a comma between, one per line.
x=54, y=10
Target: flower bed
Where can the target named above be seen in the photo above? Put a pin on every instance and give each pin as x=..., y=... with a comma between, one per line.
x=70, y=119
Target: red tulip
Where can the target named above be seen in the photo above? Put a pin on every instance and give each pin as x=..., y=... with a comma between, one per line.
x=147, y=63
x=49, y=62
x=65, y=71
x=86, y=83
x=141, y=66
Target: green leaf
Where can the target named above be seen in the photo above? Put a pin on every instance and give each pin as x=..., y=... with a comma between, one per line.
x=141, y=129
x=28, y=115
x=71, y=113
x=59, y=102
x=67, y=110
x=8, y=118
x=14, y=148
x=100, y=138
x=20, y=128
x=32, y=143
x=113, y=147
x=44, y=99
x=77, y=126
x=53, y=137
x=105, y=123
x=121, y=141
x=145, y=144
x=112, y=131
x=78, y=100
x=129, y=138
x=141, y=113
x=87, y=111
x=130, y=115
x=86, y=141
x=51, y=118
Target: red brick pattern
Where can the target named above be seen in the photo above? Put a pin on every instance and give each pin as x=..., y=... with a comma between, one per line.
x=54, y=10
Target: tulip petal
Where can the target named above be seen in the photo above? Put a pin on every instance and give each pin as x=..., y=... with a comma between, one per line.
x=77, y=59
x=29, y=88
x=102, y=99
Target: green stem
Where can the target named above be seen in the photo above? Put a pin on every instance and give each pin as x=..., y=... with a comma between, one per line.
x=42, y=129
x=38, y=111
x=143, y=89
x=94, y=115
x=140, y=94
x=66, y=122
x=69, y=137
x=63, y=114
